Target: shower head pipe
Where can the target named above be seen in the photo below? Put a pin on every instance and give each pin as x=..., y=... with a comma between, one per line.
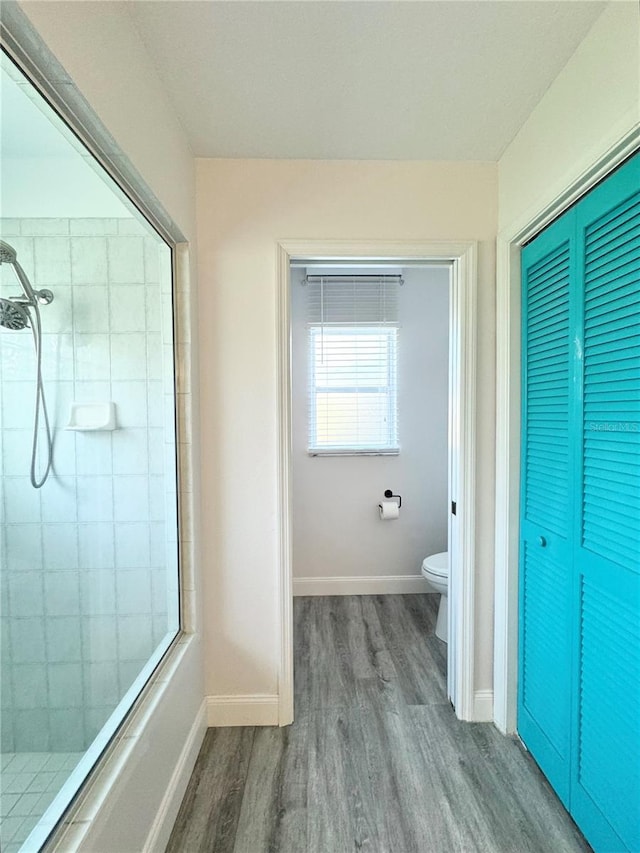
x=8, y=255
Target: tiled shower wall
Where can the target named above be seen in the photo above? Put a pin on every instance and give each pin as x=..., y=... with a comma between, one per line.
x=89, y=562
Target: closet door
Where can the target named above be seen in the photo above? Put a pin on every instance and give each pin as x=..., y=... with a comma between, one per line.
x=605, y=791
x=544, y=701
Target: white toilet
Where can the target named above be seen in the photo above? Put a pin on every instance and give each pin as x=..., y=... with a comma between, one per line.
x=436, y=570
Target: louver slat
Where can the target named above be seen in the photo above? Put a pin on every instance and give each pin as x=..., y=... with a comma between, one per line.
x=611, y=384
x=547, y=391
x=609, y=725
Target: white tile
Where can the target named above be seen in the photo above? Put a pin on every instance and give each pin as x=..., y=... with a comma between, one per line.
x=97, y=550
x=99, y=639
x=62, y=593
x=127, y=308
x=131, y=403
x=159, y=592
x=92, y=392
x=98, y=592
x=93, y=357
x=93, y=227
x=6, y=676
x=94, y=453
x=155, y=356
x=126, y=260
x=17, y=405
x=133, y=596
x=89, y=260
x=91, y=308
x=59, y=499
x=128, y=357
x=45, y=227
x=153, y=311
x=27, y=640
x=64, y=445
x=95, y=498
x=169, y=409
x=30, y=685
x=151, y=260
x=156, y=498
x=57, y=316
x=58, y=358
x=65, y=685
x=25, y=594
x=132, y=545
x=131, y=498
x=131, y=228
x=155, y=401
x=64, y=639
x=52, y=261
x=60, y=546
x=31, y=731
x=101, y=684
x=157, y=544
x=135, y=635
x=21, y=500
x=67, y=729
x=128, y=671
x=9, y=227
x=18, y=357
x=130, y=451
x=24, y=547
x=155, y=450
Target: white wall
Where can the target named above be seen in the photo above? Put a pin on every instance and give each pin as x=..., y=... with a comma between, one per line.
x=244, y=208
x=100, y=49
x=336, y=528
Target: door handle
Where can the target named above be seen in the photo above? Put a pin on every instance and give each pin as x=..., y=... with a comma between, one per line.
x=542, y=542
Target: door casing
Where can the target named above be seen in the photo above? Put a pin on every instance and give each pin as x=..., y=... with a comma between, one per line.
x=462, y=427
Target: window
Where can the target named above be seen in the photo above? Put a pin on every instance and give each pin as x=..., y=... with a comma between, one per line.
x=353, y=342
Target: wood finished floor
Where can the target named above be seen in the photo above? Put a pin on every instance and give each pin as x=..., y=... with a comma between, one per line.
x=376, y=760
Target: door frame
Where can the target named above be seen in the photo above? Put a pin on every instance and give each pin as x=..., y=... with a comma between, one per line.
x=462, y=437
x=508, y=425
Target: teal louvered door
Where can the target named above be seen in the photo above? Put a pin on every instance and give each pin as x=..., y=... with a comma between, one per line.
x=579, y=683
x=605, y=794
x=545, y=561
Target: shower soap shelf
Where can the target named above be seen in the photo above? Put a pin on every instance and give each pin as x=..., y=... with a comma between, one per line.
x=92, y=416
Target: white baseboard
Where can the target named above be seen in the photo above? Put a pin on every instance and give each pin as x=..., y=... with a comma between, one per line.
x=160, y=832
x=483, y=706
x=260, y=709
x=371, y=585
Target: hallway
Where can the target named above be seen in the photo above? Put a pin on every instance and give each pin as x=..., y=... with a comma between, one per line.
x=376, y=759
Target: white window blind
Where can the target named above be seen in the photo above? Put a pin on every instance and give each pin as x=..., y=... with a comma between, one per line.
x=353, y=342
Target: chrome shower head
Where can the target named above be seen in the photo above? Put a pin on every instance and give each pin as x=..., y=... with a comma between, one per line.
x=14, y=315
x=8, y=255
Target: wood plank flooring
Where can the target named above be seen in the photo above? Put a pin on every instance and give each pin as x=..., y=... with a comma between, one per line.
x=376, y=760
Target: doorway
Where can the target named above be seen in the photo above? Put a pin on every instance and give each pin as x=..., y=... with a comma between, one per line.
x=462, y=324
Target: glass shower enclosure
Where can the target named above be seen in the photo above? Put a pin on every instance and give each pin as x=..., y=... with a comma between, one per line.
x=88, y=487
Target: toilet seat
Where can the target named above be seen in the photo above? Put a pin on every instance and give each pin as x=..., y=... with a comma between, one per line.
x=437, y=564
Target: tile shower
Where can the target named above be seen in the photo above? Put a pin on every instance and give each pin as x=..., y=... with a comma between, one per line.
x=89, y=561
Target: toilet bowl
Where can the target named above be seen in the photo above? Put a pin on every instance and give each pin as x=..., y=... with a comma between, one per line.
x=435, y=569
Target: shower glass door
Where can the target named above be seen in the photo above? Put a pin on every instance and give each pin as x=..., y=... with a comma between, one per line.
x=88, y=489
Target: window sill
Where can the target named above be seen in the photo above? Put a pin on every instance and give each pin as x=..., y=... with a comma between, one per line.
x=391, y=452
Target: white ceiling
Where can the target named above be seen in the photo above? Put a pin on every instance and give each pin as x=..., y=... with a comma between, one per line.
x=344, y=79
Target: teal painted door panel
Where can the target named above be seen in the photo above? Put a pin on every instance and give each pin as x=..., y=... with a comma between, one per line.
x=544, y=702
x=605, y=789
x=579, y=685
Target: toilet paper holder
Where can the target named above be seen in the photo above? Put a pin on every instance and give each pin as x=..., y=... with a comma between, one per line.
x=389, y=494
